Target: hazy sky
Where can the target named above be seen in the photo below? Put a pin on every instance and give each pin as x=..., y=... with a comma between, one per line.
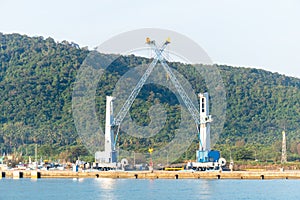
x=257, y=33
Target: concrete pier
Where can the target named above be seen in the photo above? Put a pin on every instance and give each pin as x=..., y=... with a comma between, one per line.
x=157, y=174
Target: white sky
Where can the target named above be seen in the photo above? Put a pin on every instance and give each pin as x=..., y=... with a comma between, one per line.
x=257, y=33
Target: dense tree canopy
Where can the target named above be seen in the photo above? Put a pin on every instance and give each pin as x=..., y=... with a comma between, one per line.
x=36, y=83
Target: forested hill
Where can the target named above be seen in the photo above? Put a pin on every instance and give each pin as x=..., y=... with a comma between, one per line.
x=36, y=78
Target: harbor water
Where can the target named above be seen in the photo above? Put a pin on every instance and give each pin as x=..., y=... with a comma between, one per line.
x=102, y=188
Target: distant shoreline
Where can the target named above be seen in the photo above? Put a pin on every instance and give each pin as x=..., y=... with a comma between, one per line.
x=295, y=174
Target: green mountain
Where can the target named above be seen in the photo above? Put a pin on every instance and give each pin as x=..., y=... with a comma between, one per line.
x=36, y=83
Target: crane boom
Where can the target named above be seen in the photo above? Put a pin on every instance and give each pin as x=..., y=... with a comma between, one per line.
x=125, y=108
x=159, y=57
x=206, y=159
x=187, y=101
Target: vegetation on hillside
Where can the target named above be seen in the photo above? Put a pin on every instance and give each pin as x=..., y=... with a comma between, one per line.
x=36, y=84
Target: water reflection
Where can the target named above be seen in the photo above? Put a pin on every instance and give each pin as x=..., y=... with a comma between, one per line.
x=107, y=186
x=33, y=179
x=205, y=189
x=78, y=180
x=106, y=183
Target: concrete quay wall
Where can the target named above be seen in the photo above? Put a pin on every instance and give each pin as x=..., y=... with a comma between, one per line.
x=154, y=174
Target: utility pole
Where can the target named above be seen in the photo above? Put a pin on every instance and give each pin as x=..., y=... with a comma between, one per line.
x=283, y=154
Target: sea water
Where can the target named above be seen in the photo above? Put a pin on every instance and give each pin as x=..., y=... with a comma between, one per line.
x=141, y=189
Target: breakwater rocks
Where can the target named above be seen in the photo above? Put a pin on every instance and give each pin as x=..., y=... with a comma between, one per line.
x=154, y=174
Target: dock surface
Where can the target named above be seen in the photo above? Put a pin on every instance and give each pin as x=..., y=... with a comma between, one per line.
x=157, y=174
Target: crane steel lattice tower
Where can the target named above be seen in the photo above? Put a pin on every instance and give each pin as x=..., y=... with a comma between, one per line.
x=283, y=154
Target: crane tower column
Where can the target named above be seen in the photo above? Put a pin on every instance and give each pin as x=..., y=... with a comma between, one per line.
x=109, y=134
x=205, y=119
x=206, y=159
x=204, y=134
x=109, y=155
